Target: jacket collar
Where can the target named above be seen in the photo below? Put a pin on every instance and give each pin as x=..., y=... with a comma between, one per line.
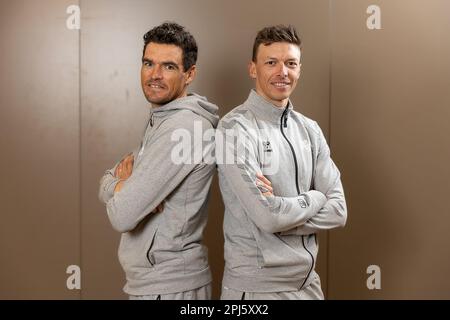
x=266, y=110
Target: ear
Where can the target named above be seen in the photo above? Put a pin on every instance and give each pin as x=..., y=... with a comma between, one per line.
x=252, y=69
x=190, y=74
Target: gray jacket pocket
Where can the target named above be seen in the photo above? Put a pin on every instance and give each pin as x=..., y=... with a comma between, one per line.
x=149, y=253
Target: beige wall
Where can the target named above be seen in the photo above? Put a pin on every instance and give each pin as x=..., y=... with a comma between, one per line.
x=40, y=155
x=71, y=105
x=390, y=110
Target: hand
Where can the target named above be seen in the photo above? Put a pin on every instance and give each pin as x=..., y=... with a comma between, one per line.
x=159, y=208
x=264, y=185
x=125, y=167
x=123, y=171
x=118, y=186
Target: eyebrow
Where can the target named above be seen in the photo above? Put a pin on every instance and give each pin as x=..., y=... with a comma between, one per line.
x=290, y=59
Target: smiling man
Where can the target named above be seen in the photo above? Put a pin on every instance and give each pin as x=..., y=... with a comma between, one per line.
x=281, y=187
x=157, y=202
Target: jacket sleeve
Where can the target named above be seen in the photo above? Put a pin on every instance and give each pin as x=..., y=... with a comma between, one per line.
x=107, y=184
x=109, y=180
x=238, y=165
x=327, y=179
x=158, y=173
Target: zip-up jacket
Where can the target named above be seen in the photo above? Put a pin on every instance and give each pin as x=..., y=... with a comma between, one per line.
x=163, y=253
x=270, y=241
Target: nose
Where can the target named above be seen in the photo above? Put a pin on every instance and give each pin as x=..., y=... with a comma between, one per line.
x=156, y=72
x=283, y=71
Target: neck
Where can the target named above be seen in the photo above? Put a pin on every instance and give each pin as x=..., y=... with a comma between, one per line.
x=277, y=103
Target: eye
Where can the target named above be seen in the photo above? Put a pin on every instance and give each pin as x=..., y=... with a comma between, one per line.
x=170, y=67
x=292, y=64
x=147, y=63
x=271, y=63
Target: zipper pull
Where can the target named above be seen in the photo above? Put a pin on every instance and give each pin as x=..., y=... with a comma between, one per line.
x=151, y=120
x=285, y=121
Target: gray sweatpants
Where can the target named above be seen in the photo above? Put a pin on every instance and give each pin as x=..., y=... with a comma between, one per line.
x=202, y=293
x=311, y=292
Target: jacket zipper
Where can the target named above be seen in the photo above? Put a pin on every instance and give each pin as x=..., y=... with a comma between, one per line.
x=145, y=137
x=284, y=124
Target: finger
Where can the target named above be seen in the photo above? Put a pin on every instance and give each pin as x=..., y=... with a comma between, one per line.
x=118, y=186
x=264, y=179
x=264, y=186
x=118, y=170
x=129, y=168
x=267, y=181
x=264, y=189
x=130, y=162
x=267, y=194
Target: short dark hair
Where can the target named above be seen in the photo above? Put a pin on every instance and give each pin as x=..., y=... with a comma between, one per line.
x=173, y=33
x=278, y=33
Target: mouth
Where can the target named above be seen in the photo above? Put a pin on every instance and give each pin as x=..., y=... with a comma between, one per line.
x=281, y=84
x=156, y=86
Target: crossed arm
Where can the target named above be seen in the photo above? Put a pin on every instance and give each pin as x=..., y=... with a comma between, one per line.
x=327, y=180
x=131, y=192
x=320, y=209
x=123, y=171
x=269, y=212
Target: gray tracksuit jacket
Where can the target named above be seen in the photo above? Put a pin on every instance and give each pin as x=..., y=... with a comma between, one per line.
x=162, y=253
x=270, y=242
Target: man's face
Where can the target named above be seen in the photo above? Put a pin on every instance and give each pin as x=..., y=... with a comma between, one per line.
x=163, y=78
x=276, y=70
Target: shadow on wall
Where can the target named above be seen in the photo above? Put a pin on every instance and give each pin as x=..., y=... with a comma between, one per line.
x=213, y=237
